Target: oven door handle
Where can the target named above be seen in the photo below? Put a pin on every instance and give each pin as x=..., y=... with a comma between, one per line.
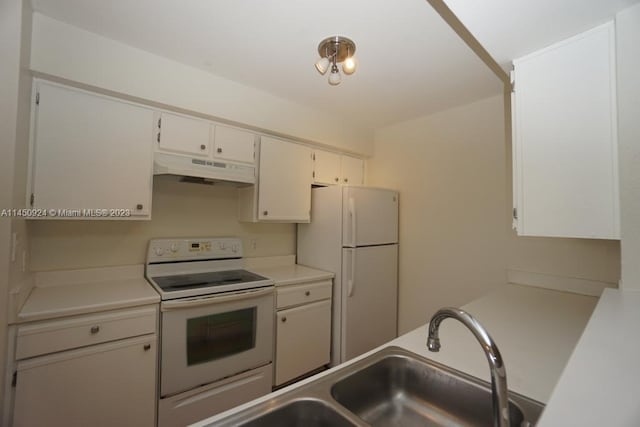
x=217, y=299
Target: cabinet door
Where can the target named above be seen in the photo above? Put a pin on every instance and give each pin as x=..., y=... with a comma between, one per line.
x=303, y=340
x=284, y=192
x=326, y=167
x=565, y=151
x=90, y=152
x=352, y=170
x=104, y=385
x=184, y=135
x=234, y=144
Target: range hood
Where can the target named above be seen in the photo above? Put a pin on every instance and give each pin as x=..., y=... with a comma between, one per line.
x=217, y=170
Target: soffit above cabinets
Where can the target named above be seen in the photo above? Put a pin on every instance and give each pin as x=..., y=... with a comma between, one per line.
x=410, y=62
x=511, y=29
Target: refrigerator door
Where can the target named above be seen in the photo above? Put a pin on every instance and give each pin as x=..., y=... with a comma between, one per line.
x=369, y=298
x=370, y=216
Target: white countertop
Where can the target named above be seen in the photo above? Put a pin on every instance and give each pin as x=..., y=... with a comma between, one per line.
x=65, y=293
x=535, y=329
x=291, y=274
x=601, y=385
x=71, y=292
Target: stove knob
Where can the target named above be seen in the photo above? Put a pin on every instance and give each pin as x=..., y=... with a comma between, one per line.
x=234, y=248
x=159, y=251
x=174, y=247
x=222, y=246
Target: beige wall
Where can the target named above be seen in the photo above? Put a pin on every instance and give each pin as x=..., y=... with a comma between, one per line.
x=179, y=210
x=628, y=62
x=456, y=243
x=71, y=53
x=450, y=170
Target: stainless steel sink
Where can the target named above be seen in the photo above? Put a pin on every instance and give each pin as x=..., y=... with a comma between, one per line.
x=403, y=391
x=392, y=387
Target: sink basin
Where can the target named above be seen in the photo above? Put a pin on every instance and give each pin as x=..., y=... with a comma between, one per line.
x=403, y=391
x=392, y=387
x=304, y=412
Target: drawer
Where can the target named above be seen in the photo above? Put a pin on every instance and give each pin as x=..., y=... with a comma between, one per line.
x=289, y=296
x=79, y=331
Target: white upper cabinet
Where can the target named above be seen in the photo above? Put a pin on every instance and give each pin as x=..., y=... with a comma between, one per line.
x=184, y=135
x=190, y=136
x=565, y=145
x=90, y=152
x=283, y=192
x=326, y=167
x=234, y=144
x=352, y=170
x=332, y=168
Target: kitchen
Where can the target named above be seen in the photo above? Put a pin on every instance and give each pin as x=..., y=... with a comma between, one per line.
x=467, y=197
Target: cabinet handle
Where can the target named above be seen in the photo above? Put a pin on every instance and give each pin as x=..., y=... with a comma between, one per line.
x=337, y=179
x=346, y=180
x=139, y=206
x=147, y=347
x=265, y=213
x=307, y=293
x=203, y=147
x=284, y=319
x=219, y=150
x=95, y=329
x=158, y=137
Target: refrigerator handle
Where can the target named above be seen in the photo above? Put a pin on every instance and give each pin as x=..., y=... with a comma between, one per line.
x=352, y=211
x=352, y=274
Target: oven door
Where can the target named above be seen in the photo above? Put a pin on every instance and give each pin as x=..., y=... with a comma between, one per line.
x=208, y=338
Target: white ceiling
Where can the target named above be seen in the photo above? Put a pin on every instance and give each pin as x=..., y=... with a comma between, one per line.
x=509, y=29
x=410, y=62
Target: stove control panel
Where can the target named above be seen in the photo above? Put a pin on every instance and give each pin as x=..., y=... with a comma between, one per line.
x=162, y=250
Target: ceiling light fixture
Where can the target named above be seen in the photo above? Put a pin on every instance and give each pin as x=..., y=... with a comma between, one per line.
x=335, y=50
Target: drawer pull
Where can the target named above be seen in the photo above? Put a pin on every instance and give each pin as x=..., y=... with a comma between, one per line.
x=307, y=293
x=284, y=319
x=95, y=329
x=147, y=347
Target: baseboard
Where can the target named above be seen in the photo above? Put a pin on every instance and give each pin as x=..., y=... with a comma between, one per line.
x=559, y=283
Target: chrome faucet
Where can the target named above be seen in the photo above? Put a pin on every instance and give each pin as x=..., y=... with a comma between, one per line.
x=499, y=389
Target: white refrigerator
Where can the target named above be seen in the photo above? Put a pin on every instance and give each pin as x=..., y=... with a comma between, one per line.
x=354, y=233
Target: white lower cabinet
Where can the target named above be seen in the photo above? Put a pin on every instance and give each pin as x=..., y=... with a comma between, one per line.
x=303, y=332
x=112, y=383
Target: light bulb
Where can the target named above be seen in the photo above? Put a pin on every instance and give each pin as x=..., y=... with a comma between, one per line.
x=322, y=65
x=334, y=78
x=349, y=65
